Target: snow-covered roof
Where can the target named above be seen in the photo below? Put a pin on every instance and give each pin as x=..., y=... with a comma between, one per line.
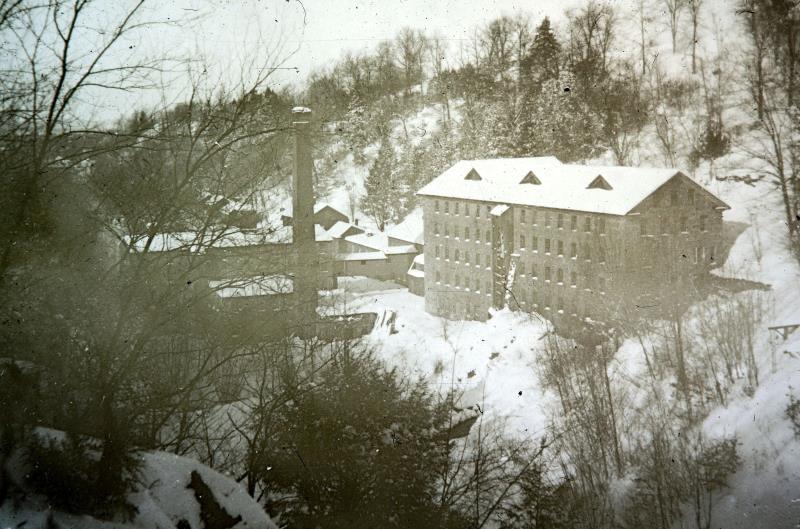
x=420, y=259
x=288, y=209
x=253, y=286
x=410, y=229
x=370, y=239
x=498, y=210
x=339, y=229
x=232, y=238
x=320, y=235
x=399, y=250
x=563, y=186
x=361, y=256
x=197, y=241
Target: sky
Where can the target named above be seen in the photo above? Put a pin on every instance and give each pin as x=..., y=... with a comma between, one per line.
x=300, y=37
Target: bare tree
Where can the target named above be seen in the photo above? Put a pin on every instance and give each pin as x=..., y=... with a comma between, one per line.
x=694, y=9
x=674, y=9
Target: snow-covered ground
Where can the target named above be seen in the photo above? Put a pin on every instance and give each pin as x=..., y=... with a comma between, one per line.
x=493, y=363
x=162, y=499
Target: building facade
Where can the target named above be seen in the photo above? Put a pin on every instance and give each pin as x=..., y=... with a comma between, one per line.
x=562, y=240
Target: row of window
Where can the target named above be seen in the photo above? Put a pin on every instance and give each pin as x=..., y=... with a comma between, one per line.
x=469, y=284
x=440, y=251
x=466, y=233
x=557, y=246
x=458, y=208
x=675, y=196
x=666, y=227
x=559, y=277
x=532, y=217
x=525, y=216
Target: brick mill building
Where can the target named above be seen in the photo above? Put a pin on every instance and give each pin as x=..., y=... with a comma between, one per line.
x=562, y=240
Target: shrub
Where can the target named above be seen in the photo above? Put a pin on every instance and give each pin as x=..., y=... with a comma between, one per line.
x=67, y=471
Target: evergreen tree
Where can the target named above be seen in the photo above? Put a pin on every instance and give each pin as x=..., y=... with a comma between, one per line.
x=560, y=123
x=382, y=201
x=542, y=62
x=358, y=449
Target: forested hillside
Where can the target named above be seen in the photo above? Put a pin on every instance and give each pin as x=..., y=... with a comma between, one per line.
x=132, y=395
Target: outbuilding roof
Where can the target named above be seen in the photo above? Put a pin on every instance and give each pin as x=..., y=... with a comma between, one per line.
x=612, y=190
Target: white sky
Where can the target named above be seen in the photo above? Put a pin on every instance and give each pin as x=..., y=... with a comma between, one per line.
x=312, y=34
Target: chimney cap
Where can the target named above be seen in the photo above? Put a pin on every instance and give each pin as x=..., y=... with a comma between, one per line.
x=301, y=110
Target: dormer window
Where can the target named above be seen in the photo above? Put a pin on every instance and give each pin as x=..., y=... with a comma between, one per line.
x=531, y=178
x=599, y=183
x=473, y=175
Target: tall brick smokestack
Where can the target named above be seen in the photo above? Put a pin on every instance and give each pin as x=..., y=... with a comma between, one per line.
x=306, y=271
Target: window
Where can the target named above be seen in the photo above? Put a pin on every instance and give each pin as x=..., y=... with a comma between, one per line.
x=643, y=226
x=602, y=227
x=456, y=210
x=488, y=260
x=488, y=211
x=457, y=255
x=547, y=300
x=488, y=286
x=690, y=196
x=560, y=221
x=673, y=197
x=573, y=279
x=477, y=286
x=477, y=211
x=534, y=273
x=573, y=222
x=437, y=251
x=363, y=262
x=446, y=252
x=547, y=273
x=560, y=276
x=587, y=252
x=456, y=231
x=696, y=255
x=534, y=215
x=587, y=224
x=457, y=282
x=438, y=277
x=547, y=246
x=466, y=233
x=573, y=250
x=535, y=243
x=702, y=223
x=601, y=254
x=447, y=230
x=466, y=257
x=446, y=207
x=436, y=228
x=601, y=282
x=466, y=210
x=664, y=226
x=561, y=248
x=436, y=206
x=546, y=219
x=522, y=216
x=488, y=236
x=684, y=226
x=522, y=241
x=560, y=304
